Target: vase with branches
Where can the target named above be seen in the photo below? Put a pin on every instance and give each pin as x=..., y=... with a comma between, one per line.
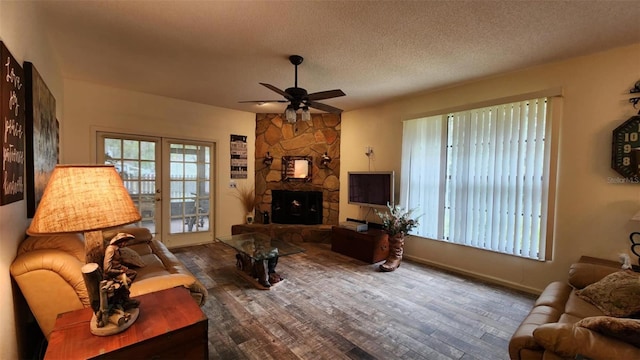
x=247, y=197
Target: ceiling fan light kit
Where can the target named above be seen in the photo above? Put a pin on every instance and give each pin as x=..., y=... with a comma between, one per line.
x=306, y=114
x=299, y=99
x=290, y=114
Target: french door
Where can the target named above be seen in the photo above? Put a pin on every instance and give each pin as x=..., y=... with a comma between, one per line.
x=169, y=180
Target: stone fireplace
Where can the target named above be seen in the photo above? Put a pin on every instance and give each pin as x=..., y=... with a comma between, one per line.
x=296, y=207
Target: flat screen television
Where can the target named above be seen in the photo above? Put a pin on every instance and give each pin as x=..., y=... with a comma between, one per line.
x=371, y=188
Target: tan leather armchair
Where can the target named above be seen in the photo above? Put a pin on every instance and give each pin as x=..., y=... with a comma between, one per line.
x=48, y=271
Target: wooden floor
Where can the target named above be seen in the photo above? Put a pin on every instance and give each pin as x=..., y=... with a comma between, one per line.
x=334, y=307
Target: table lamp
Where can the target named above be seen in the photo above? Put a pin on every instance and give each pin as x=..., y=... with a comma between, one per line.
x=87, y=199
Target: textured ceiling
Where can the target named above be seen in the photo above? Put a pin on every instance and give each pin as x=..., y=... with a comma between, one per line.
x=216, y=52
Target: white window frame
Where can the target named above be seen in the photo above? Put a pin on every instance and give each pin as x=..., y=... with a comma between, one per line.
x=426, y=181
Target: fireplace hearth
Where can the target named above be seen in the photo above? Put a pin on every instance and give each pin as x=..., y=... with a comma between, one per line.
x=296, y=207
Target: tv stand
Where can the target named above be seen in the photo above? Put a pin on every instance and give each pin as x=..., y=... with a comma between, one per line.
x=370, y=246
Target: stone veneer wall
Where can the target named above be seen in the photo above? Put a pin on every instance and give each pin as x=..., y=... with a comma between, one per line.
x=314, y=138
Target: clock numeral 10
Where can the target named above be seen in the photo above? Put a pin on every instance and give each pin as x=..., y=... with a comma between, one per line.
x=631, y=136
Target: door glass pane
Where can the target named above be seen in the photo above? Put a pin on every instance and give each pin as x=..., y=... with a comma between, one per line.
x=139, y=176
x=148, y=151
x=190, y=179
x=131, y=149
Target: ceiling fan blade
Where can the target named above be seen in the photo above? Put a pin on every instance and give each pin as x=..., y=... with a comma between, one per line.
x=321, y=95
x=263, y=101
x=273, y=88
x=324, y=107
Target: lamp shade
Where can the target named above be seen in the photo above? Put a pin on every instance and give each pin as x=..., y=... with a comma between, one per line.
x=81, y=198
x=306, y=114
x=290, y=114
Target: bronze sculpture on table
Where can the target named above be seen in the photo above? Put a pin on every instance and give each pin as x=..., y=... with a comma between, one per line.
x=114, y=310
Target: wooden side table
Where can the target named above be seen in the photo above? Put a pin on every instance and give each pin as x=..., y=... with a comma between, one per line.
x=170, y=326
x=370, y=246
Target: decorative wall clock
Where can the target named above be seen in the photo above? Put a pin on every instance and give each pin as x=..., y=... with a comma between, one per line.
x=625, y=154
x=625, y=157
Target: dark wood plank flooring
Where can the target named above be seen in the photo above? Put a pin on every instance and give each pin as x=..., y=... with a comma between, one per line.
x=334, y=307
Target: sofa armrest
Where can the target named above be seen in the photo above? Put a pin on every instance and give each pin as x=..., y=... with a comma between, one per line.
x=176, y=267
x=547, y=309
x=569, y=340
x=51, y=282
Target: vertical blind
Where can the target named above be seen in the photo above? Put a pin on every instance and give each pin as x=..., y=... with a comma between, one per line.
x=421, y=183
x=481, y=177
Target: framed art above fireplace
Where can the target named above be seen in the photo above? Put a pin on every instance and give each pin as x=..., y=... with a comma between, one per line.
x=296, y=168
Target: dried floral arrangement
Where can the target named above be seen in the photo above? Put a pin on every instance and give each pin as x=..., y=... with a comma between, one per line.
x=397, y=220
x=247, y=197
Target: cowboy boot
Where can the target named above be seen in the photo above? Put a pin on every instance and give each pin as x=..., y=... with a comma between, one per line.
x=396, y=245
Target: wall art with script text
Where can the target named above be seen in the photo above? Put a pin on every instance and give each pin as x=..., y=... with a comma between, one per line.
x=238, y=156
x=41, y=138
x=12, y=114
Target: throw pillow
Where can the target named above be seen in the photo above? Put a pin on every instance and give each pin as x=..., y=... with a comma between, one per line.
x=131, y=258
x=627, y=330
x=617, y=294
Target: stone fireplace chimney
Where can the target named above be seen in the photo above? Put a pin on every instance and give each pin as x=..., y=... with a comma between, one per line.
x=314, y=138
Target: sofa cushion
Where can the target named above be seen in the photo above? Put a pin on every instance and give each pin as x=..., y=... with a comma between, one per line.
x=617, y=294
x=131, y=258
x=579, y=308
x=69, y=243
x=153, y=267
x=141, y=248
x=569, y=340
x=141, y=234
x=582, y=275
x=625, y=329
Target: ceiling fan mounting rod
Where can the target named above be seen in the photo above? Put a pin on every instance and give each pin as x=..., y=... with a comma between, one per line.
x=296, y=60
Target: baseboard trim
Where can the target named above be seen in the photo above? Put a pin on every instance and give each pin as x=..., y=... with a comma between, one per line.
x=490, y=279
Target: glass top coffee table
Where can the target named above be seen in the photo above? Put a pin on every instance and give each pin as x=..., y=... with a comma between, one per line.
x=258, y=255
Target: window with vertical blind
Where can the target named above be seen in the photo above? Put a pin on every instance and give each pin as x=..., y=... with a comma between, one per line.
x=480, y=177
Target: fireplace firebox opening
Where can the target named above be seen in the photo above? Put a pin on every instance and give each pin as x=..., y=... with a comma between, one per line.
x=296, y=207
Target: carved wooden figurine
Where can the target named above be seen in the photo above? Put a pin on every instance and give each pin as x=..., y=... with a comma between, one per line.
x=114, y=311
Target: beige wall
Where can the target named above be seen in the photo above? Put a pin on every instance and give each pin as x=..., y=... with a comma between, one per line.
x=23, y=35
x=592, y=214
x=90, y=107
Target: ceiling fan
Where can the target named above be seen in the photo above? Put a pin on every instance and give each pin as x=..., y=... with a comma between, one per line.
x=299, y=98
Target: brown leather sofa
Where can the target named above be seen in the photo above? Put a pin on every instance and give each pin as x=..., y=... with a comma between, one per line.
x=48, y=271
x=553, y=329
